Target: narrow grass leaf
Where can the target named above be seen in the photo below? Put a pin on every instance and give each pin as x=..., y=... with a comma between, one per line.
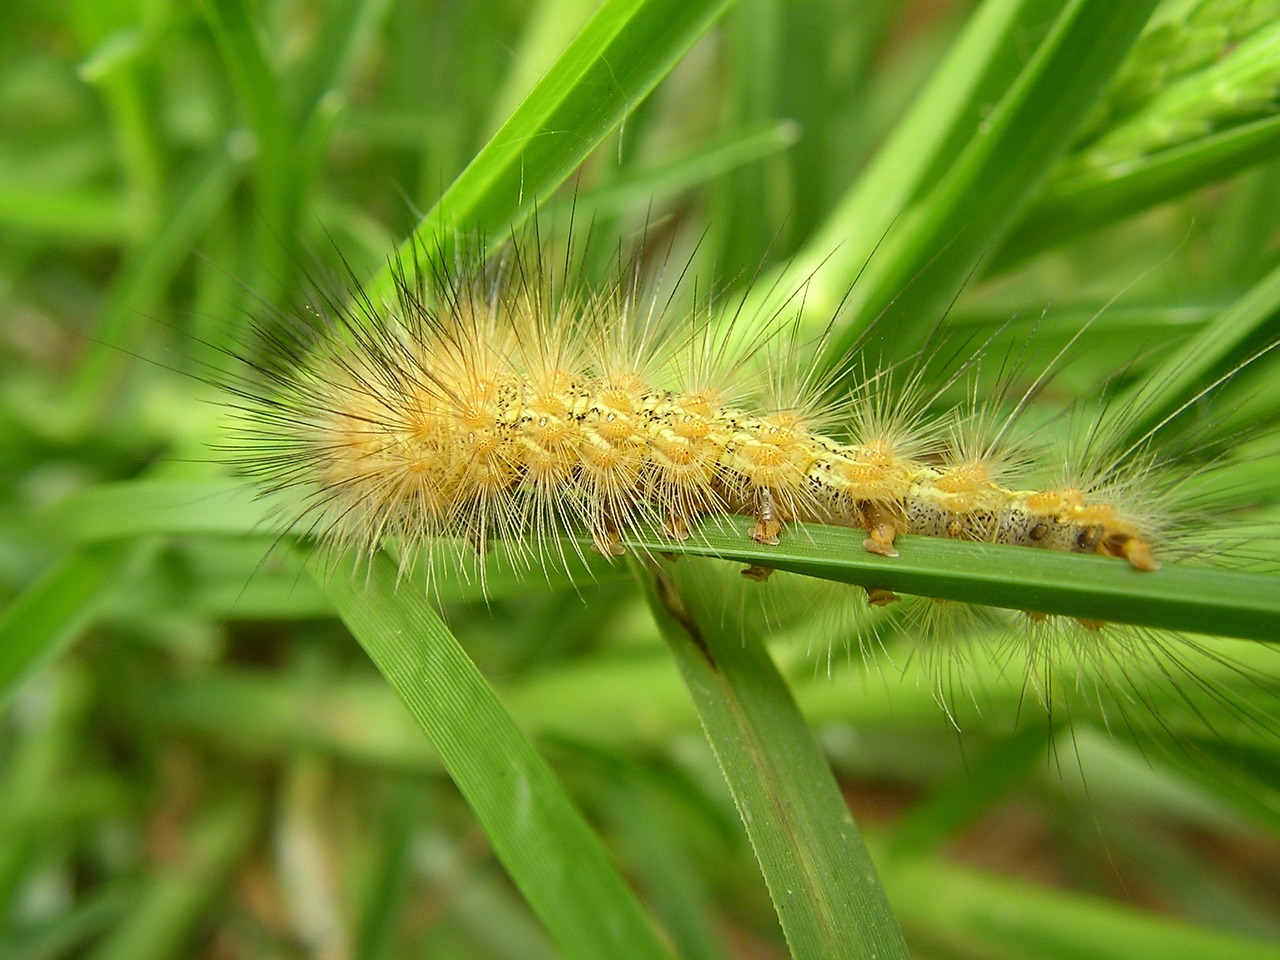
x=614, y=62
x=48, y=616
x=942, y=903
x=1250, y=325
x=1226, y=603
x=1191, y=599
x=171, y=905
x=553, y=856
x=1071, y=206
x=820, y=877
x=147, y=274
x=275, y=156
x=936, y=241
x=980, y=63
x=984, y=781
x=75, y=214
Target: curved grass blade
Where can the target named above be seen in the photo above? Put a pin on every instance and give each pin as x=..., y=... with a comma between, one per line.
x=963, y=85
x=932, y=247
x=1245, y=329
x=550, y=851
x=1005, y=918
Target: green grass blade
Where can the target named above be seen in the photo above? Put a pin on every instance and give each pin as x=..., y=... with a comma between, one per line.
x=962, y=798
x=346, y=27
x=642, y=186
x=385, y=890
x=275, y=158
x=935, y=242
x=148, y=273
x=41, y=622
x=551, y=853
x=922, y=140
x=77, y=214
x=613, y=64
x=1070, y=206
x=1013, y=919
x=172, y=903
x=1227, y=603
x=1190, y=599
x=137, y=508
x=820, y=876
x=1251, y=324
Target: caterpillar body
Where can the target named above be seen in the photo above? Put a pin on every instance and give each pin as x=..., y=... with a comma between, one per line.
x=485, y=401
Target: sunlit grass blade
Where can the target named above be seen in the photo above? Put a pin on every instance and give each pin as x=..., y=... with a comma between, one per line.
x=925, y=139
x=550, y=851
x=929, y=253
x=953, y=176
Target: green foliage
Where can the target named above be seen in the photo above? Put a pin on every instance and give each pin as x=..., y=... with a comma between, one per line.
x=197, y=760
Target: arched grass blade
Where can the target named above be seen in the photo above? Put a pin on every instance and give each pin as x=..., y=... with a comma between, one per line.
x=553, y=856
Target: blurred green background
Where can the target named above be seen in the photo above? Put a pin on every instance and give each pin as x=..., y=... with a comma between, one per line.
x=197, y=759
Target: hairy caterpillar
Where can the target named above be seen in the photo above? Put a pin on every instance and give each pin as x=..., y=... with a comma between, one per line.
x=490, y=400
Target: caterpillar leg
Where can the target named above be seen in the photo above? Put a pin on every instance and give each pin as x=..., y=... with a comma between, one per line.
x=880, y=597
x=1135, y=550
x=768, y=525
x=676, y=527
x=881, y=531
x=607, y=542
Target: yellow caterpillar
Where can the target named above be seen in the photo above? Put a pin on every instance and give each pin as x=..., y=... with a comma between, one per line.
x=480, y=403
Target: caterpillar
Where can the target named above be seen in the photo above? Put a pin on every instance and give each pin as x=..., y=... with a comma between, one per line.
x=488, y=400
